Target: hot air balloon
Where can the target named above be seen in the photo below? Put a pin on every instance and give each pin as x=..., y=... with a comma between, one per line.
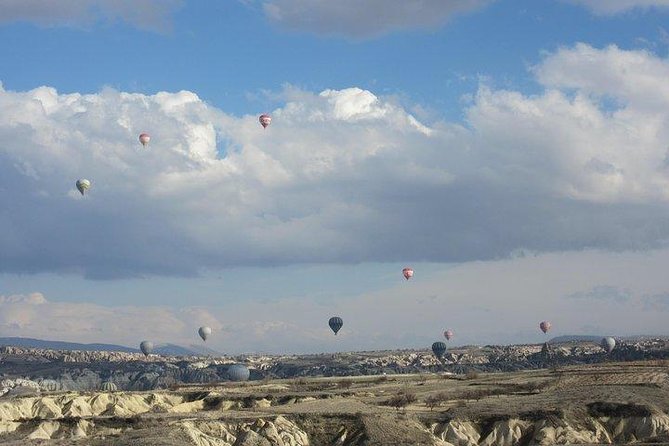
x=439, y=348
x=238, y=372
x=335, y=324
x=204, y=332
x=146, y=347
x=265, y=120
x=83, y=185
x=545, y=326
x=108, y=386
x=608, y=344
x=144, y=138
x=448, y=334
x=408, y=273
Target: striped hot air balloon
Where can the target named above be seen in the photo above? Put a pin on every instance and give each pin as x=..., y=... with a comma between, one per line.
x=335, y=324
x=265, y=120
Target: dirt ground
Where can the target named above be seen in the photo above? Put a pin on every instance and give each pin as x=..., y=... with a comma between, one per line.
x=324, y=408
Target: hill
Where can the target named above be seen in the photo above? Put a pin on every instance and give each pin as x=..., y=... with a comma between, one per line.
x=161, y=349
x=61, y=345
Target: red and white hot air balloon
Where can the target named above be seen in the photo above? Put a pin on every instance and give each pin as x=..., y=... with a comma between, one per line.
x=545, y=326
x=265, y=120
x=144, y=138
x=408, y=273
x=448, y=334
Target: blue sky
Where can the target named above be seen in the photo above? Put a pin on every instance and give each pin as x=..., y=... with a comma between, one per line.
x=228, y=53
x=455, y=136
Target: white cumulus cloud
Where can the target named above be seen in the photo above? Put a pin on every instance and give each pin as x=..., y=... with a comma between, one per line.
x=608, y=7
x=339, y=176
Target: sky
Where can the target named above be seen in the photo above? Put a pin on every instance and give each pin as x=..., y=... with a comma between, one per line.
x=514, y=153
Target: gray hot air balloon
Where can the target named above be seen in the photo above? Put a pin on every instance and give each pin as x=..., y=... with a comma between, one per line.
x=146, y=347
x=238, y=372
x=608, y=344
x=439, y=348
x=335, y=324
x=108, y=386
x=204, y=332
x=83, y=185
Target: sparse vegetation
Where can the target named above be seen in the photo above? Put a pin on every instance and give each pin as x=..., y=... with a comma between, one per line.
x=401, y=400
x=346, y=384
x=472, y=374
x=435, y=400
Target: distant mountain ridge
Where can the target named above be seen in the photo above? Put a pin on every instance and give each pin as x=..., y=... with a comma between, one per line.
x=597, y=339
x=160, y=349
x=62, y=345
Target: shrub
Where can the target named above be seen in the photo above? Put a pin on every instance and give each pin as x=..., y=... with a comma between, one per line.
x=472, y=374
x=401, y=400
x=346, y=384
x=433, y=401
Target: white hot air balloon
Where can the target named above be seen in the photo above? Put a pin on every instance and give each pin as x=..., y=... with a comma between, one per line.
x=83, y=185
x=204, y=332
x=146, y=347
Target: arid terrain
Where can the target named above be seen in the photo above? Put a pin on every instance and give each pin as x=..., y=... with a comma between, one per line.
x=557, y=398
x=607, y=403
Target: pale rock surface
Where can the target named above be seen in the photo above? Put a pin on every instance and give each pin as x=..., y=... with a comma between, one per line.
x=250, y=438
x=549, y=432
x=193, y=406
x=459, y=433
x=46, y=408
x=506, y=433
x=44, y=431
x=7, y=427
x=81, y=429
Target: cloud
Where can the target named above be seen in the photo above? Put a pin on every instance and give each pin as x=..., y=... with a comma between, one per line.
x=506, y=307
x=656, y=302
x=153, y=15
x=352, y=18
x=341, y=176
x=34, y=316
x=610, y=7
x=603, y=292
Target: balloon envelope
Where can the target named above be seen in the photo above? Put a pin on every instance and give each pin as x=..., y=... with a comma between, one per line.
x=83, y=185
x=608, y=344
x=335, y=324
x=545, y=326
x=439, y=348
x=448, y=334
x=238, y=372
x=146, y=347
x=108, y=386
x=204, y=332
x=408, y=273
x=144, y=138
x=265, y=120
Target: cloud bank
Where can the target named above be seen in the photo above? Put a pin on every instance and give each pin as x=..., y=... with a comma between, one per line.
x=610, y=7
x=340, y=176
x=506, y=307
x=154, y=15
x=352, y=18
